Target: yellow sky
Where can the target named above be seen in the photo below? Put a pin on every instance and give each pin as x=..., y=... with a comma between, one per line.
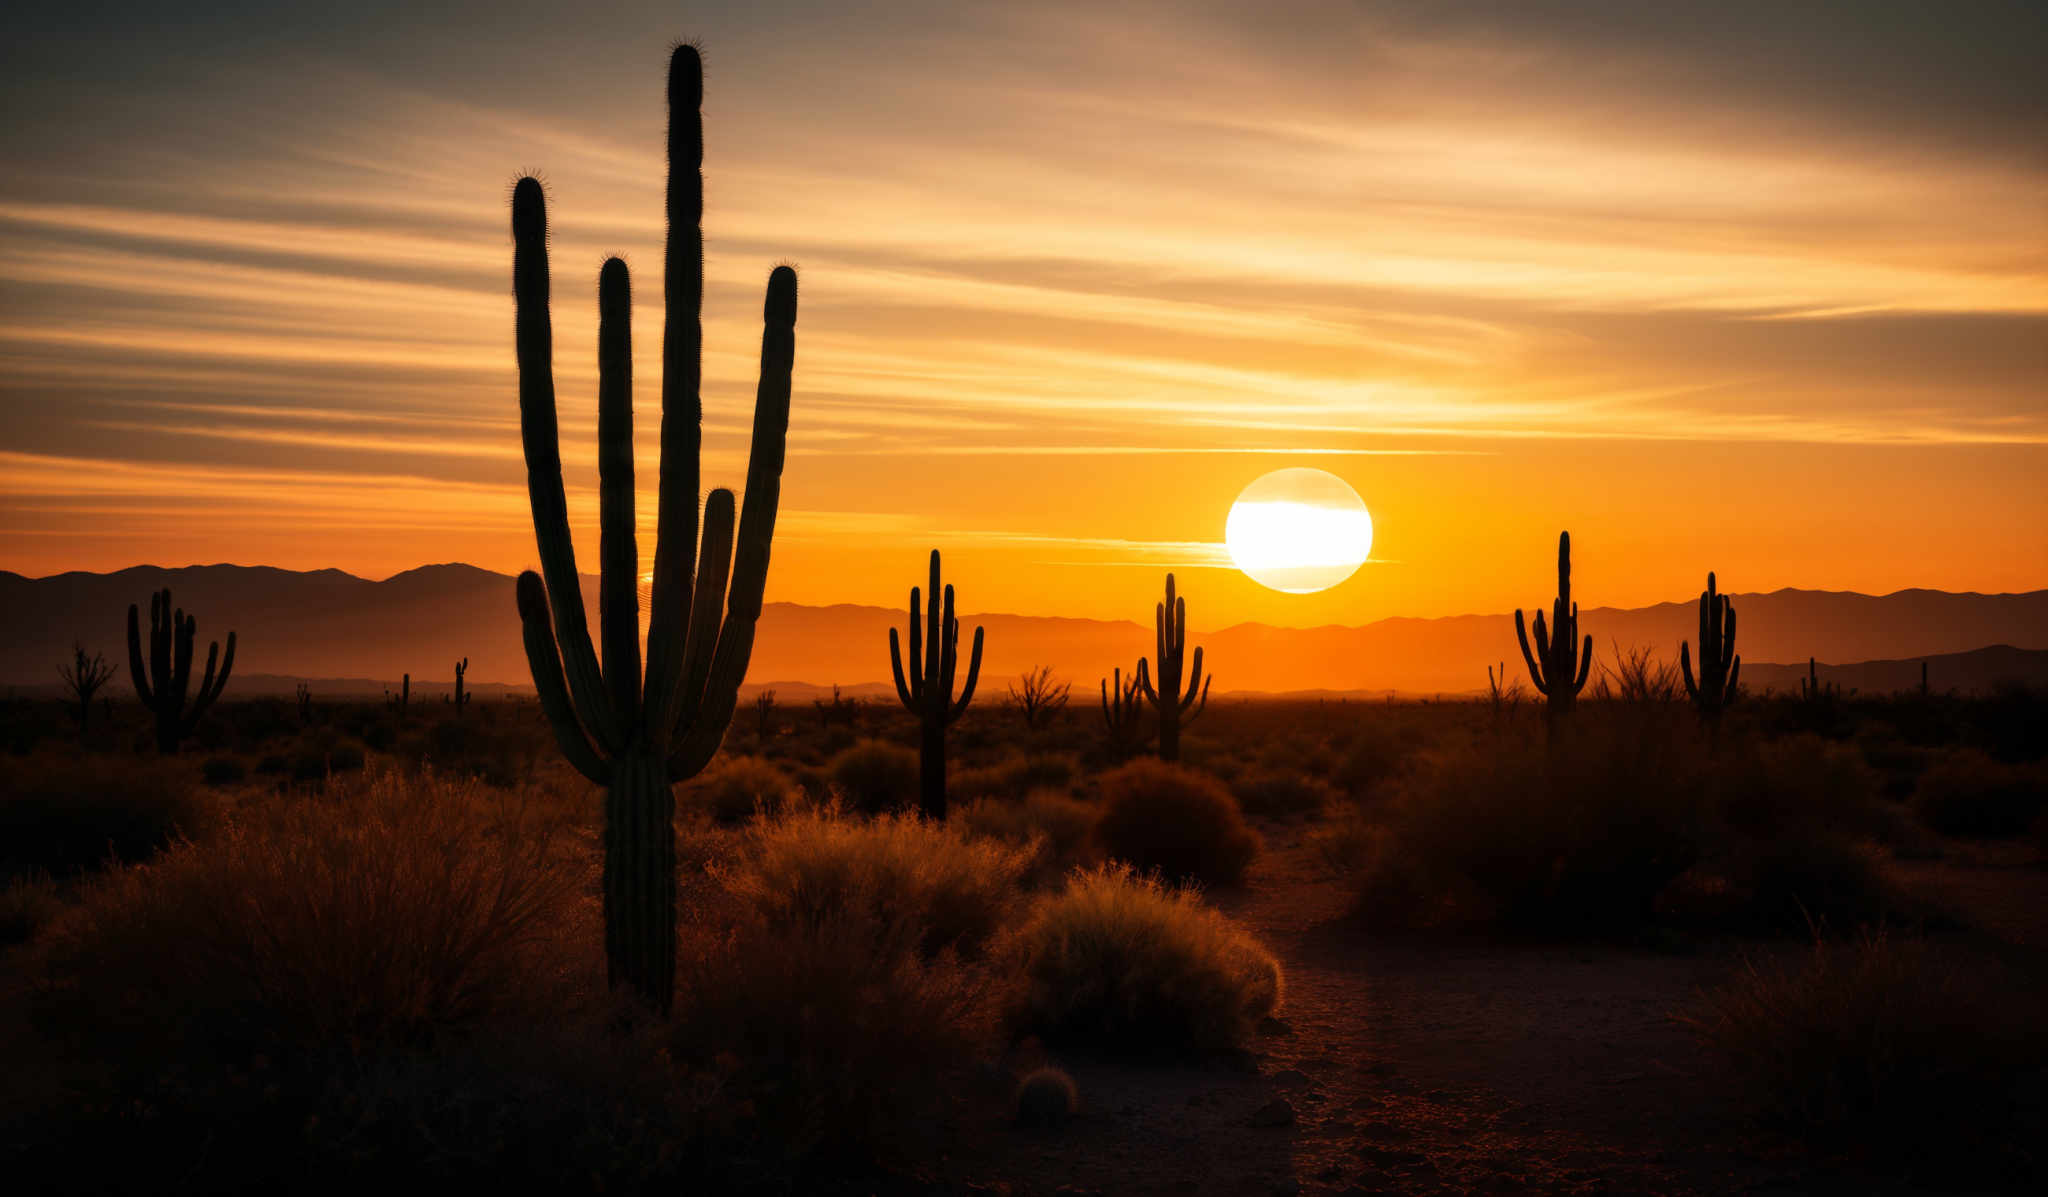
x=1070, y=282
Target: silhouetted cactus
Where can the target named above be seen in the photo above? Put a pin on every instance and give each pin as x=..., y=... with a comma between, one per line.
x=305, y=696
x=1123, y=712
x=1810, y=688
x=637, y=735
x=1176, y=709
x=83, y=677
x=165, y=682
x=1559, y=666
x=928, y=694
x=401, y=701
x=1720, y=668
x=461, y=696
x=764, y=714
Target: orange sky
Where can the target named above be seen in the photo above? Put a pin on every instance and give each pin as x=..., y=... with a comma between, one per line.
x=1070, y=281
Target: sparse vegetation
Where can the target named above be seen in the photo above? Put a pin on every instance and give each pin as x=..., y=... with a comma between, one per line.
x=738, y=787
x=1174, y=820
x=875, y=776
x=1968, y=793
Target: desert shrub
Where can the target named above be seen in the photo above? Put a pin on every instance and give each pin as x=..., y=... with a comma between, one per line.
x=1170, y=818
x=271, y=764
x=837, y=1033
x=1127, y=963
x=1375, y=754
x=1885, y=1042
x=810, y=867
x=1046, y=1098
x=875, y=775
x=1013, y=777
x=26, y=904
x=1581, y=834
x=388, y=908
x=1060, y=824
x=62, y=814
x=1281, y=794
x=738, y=787
x=1346, y=843
x=1967, y=793
x=222, y=771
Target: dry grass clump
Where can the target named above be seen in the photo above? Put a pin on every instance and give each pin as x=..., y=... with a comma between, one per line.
x=875, y=775
x=1282, y=793
x=1177, y=821
x=812, y=867
x=738, y=788
x=1061, y=826
x=1888, y=1043
x=1014, y=776
x=1966, y=793
x=63, y=813
x=1126, y=963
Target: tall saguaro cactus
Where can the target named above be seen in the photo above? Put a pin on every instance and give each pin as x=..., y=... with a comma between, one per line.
x=1122, y=712
x=164, y=685
x=1719, y=666
x=461, y=696
x=1559, y=666
x=928, y=694
x=638, y=734
x=1175, y=708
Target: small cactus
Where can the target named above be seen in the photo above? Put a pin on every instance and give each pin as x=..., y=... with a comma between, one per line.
x=1559, y=666
x=928, y=692
x=1176, y=709
x=1123, y=712
x=164, y=683
x=1046, y=1099
x=1719, y=666
x=461, y=696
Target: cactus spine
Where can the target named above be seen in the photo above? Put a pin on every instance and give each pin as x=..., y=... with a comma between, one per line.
x=461, y=696
x=1559, y=666
x=637, y=734
x=1719, y=666
x=1122, y=712
x=928, y=694
x=1170, y=621
x=164, y=683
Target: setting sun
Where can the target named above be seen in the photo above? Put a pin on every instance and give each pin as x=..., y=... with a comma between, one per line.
x=1298, y=531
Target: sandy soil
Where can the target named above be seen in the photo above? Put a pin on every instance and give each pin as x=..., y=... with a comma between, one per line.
x=1464, y=1067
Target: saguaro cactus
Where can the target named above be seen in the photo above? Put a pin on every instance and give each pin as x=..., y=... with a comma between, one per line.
x=461, y=696
x=164, y=684
x=1123, y=712
x=637, y=734
x=1719, y=666
x=1810, y=688
x=928, y=694
x=1170, y=620
x=1559, y=666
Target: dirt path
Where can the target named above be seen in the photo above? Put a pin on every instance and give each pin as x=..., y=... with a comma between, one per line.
x=1468, y=1068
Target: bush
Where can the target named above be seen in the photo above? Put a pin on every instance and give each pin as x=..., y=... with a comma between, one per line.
x=1884, y=1043
x=1281, y=794
x=1583, y=833
x=65, y=814
x=1062, y=826
x=1169, y=818
x=1046, y=1098
x=811, y=867
x=1375, y=754
x=875, y=775
x=1013, y=777
x=1127, y=963
x=738, y=787
x=1967, y=793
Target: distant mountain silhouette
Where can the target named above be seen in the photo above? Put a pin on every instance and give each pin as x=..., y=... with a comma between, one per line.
x=327, y=624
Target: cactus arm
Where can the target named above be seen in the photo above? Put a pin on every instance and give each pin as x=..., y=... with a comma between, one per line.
x=546, y=663
x=1692, y=689
x=534, y=345
x=1189, y=716
x=1159, y=635
x=973, y=676
x=137, y=671
x=1585, y=661
x=1728, y=645
x=161, y=633
x=916, y=641
x=1194, y=681
x=181, y=672
x=618, y=602
x=1734, y=672
x=714, y=560
x=1107, y=718
x=682, y=410
x=949, y=657
x=1144, y=682
x=1528, y=658
x=938, y=613
x=903, y=692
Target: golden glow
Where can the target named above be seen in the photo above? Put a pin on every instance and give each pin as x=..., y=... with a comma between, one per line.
x=1298, y=531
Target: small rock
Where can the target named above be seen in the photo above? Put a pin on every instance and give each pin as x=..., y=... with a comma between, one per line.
x=1277, y=1112
x=1273, y=1026
x=1292, y=1078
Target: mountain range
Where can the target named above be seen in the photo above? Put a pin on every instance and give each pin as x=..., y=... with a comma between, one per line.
x=355, y=633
